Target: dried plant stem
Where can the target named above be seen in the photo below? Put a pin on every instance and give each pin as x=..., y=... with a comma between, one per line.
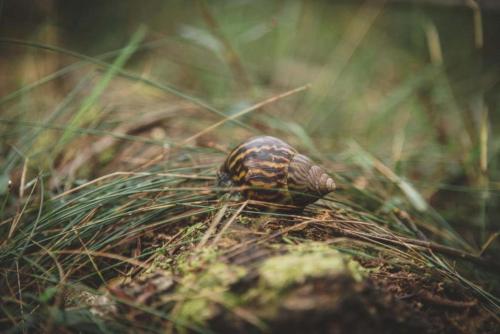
x=246, y=111
x=412, y=243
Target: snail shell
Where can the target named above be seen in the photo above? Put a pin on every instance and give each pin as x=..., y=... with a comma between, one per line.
x=270, y=170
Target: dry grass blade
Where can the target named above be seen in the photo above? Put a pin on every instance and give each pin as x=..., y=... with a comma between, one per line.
x=213, y=226
x=246, y=111
x=228, y=223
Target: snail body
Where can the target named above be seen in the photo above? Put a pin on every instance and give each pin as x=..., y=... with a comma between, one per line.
x=269, y=170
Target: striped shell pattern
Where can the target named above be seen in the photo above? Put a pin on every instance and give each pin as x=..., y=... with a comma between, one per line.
x=269, y=170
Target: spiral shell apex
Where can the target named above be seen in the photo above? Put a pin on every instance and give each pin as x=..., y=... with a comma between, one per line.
x=269, y=170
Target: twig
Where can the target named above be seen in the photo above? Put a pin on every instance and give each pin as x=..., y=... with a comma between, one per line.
x=441, y=301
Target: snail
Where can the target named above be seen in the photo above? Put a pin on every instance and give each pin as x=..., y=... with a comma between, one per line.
x=267, y=169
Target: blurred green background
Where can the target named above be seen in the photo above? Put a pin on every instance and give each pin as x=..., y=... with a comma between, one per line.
x=415, y=84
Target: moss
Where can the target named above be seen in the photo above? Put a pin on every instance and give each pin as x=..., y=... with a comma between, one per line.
x=305, y=261
x=280, y=271
x=196, y=259
x=244, y=220
x=193, y=232
x=357, y=271
x=195, y=310
x=160, y=262
x=301, y=262
x=206, y=283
